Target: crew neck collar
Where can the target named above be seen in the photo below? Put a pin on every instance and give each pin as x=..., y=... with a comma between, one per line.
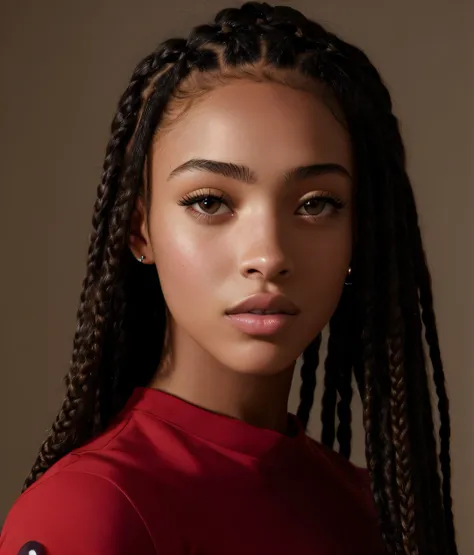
x=218, y=429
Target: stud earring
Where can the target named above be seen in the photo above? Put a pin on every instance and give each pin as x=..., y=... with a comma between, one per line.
x=141, y=259
x=348, y=280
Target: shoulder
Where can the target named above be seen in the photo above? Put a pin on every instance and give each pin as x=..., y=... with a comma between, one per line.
x=75, y=512
x=341, y=470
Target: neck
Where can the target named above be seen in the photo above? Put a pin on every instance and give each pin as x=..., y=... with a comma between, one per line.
x=195, y=377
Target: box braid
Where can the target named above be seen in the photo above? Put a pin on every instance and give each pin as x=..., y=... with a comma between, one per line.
x=103, y=284
x=343, y=324
x=426, y=301
x=308, y=380
x=376, y=331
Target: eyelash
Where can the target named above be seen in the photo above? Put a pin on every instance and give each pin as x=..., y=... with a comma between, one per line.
x=193, y=198
x=206, y=194
x=198, y=196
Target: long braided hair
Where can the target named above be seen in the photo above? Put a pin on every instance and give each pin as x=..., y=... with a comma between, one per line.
x=376, y=332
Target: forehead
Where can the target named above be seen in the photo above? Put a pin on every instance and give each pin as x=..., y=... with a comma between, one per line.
x=267, y=126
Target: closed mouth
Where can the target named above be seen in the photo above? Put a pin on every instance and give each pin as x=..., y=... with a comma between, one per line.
x=265, y=304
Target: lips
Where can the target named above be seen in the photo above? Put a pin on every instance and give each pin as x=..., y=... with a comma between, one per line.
x=264, y=304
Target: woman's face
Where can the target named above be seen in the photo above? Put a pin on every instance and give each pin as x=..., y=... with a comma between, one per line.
x=219, y=238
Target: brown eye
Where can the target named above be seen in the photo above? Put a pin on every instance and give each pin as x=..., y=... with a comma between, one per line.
x=320, y=206
x=209, y=205
x=206, y=204
x=314, y=206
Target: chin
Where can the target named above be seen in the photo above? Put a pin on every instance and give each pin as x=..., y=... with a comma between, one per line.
x=260, y=358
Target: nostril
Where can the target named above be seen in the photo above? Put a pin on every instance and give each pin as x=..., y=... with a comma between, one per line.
x=267, y=268
x=252, y=272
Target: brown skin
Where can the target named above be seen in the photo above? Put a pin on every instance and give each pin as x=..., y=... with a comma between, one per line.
x=260, y=238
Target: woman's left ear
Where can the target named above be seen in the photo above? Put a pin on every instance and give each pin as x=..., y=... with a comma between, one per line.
x=139, y=239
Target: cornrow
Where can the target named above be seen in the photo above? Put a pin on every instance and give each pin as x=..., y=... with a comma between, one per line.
x=375, y=333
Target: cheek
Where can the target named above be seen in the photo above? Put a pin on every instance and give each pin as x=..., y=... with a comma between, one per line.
x=190, y=267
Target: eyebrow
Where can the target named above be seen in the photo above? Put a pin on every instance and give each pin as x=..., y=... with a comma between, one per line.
x=245, y=174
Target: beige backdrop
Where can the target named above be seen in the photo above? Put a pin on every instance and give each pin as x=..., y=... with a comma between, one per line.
x=63, y=67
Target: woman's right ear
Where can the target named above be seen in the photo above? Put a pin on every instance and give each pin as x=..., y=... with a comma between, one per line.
x=139, y=239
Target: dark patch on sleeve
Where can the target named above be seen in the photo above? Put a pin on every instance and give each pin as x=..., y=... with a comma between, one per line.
x=32, y=548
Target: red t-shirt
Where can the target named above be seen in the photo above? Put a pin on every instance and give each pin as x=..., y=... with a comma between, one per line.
x=170, y=478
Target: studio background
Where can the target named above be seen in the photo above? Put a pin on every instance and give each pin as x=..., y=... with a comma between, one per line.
x=64, y=65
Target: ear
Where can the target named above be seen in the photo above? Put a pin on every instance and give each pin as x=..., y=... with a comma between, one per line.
x=139, y=240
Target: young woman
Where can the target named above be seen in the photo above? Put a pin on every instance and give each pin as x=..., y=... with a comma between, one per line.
x=254, y=190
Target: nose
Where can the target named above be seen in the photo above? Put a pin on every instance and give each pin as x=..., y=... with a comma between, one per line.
x=265, y=268
x=265, y=258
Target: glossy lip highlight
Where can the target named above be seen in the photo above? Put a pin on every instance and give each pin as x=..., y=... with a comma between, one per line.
x=260, y=324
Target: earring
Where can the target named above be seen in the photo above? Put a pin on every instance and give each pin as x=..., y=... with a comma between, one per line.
x=142, y=258
x=348, y=280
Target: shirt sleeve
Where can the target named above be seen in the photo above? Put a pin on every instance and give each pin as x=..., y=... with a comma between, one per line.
x=75, y=513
